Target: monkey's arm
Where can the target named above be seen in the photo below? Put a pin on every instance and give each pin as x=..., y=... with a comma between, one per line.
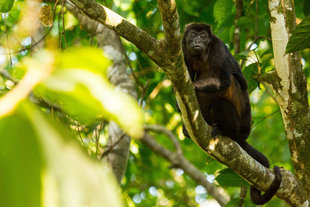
x=209, y=85
x=236, y=71
x=241, y=79
x=216, y=80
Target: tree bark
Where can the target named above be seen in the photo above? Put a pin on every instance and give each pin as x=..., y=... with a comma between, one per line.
x=291, y=89
x=239, y=10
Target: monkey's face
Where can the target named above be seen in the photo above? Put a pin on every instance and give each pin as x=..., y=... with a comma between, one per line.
x=197, y=42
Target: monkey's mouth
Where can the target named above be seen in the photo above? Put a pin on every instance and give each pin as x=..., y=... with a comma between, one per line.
x=197, y=49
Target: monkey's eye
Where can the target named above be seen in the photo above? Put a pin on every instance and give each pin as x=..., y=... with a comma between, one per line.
x=203, y=35
x=193, y=35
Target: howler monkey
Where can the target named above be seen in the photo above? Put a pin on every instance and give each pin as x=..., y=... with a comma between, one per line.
x=221, y=91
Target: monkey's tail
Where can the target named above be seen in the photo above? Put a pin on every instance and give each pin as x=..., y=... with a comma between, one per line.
x=255, y=194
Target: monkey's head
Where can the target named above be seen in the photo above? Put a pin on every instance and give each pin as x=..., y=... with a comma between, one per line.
x=196, y=39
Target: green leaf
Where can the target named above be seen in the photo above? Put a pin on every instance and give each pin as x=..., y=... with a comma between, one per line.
x=236, y=202
x=6, y=5
x=251, y=72
x=300, y=38
x=233, y=202
x=222, y=9
x=242, y=55
x=20, y=163
x=224, y=16
x=244, y=22
x=306, y=7
x=227, y=177
x=87, y=58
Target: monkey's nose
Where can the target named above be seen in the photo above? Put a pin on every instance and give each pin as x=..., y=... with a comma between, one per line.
x=197, y=40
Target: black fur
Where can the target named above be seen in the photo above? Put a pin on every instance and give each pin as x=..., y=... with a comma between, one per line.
x=221, y=91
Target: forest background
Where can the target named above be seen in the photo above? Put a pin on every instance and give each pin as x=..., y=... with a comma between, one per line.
x=88, y=111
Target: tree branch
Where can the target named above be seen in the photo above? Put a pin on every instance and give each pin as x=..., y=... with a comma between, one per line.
x=162, y=129
x=170, y=20
x=121, y=26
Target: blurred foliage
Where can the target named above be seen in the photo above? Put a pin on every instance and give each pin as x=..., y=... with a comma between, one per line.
x=78, y=96
x=41, y=165
x=6, y=5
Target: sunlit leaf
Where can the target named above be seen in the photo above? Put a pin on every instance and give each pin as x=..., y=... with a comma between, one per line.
x=86, y=58
x=80, y=87
x=6, y=5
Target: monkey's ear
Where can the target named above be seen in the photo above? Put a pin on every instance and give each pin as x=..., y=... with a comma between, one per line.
x=208, y=28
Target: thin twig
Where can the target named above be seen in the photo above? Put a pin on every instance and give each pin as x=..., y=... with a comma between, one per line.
x=7, y=37
x=63, y=22
x=111, y=147
x=256, y=18
x=97, y=135
x=6, y=75
x=243, y=192
x=264, y=118
x=82, y=141
x=162, y=129
x=269, y=91
x=249, y=47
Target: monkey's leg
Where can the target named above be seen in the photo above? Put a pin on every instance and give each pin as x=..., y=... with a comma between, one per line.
x=224, y=119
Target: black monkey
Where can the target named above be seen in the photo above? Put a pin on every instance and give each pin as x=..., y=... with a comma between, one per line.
x=221, y=91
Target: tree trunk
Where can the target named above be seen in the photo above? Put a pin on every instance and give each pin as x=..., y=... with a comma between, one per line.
x=112, y=45
x=290, y=89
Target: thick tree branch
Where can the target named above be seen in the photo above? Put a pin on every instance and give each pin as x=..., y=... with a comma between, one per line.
x=180, y=161
x=170, y=20
x=121, y=26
